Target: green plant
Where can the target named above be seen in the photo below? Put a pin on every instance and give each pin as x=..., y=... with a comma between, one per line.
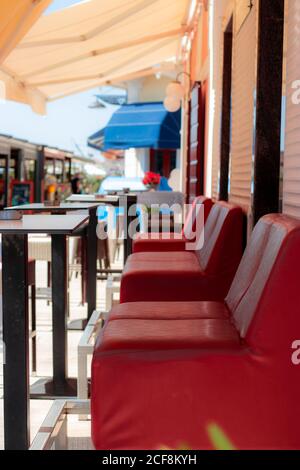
x=218, y=438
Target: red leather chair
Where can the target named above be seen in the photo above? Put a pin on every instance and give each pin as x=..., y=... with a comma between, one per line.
x=205, y=274
x=172, y=370
x=175, y=242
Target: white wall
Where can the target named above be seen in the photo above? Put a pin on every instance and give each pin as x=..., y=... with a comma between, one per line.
x=134, y=88
x=136, y=162
x=154, y=89
x=148, y=89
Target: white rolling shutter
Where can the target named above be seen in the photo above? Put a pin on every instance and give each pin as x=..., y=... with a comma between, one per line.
x=217, y=102
x=221, y=19
x=291, y=172
x=243, y=90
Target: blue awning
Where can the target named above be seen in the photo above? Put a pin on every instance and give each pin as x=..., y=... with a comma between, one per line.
x=96, y=141
x=140, y=125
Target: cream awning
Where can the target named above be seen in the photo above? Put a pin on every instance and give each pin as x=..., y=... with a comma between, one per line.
x=17, y=17
x=94, y=43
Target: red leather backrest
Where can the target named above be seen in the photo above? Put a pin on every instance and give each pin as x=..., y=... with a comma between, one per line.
x=192, y=219
x=265, y=294
x=249, y=264
x=223, y=239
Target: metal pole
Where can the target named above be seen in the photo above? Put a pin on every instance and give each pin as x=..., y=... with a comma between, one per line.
x=92, y=261
x=16, y=338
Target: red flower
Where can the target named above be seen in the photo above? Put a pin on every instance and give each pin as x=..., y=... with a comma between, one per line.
x=151, y=178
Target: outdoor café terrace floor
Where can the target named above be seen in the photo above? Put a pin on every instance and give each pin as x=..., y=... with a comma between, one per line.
x=78, y=431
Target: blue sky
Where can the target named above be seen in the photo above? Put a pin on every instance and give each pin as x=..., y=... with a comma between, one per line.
x=58, y=4
x=69, y=121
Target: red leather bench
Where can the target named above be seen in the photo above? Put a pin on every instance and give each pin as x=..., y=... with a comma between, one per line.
x=162, y=373
x=205, y=274
x=175, y=242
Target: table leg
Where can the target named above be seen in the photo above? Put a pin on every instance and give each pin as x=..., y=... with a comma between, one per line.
x=89, y=277
x=60, y=311
x=92, y=261
x=123, y=205
x=127, y=201
x=83, y=270
x=60, y=385
x=16, y=342
x=80, y=324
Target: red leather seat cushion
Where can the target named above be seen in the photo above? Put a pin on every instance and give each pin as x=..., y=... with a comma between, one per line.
x=158, y=237
x=166, y=334
x=170, y=310
x=163, y=260
x=164, y=276
x=159, y=242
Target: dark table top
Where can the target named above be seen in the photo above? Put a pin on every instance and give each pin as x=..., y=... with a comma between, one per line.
x=64, y=206
x=50, y=224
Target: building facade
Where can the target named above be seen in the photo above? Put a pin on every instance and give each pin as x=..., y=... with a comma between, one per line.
x=241, y=119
